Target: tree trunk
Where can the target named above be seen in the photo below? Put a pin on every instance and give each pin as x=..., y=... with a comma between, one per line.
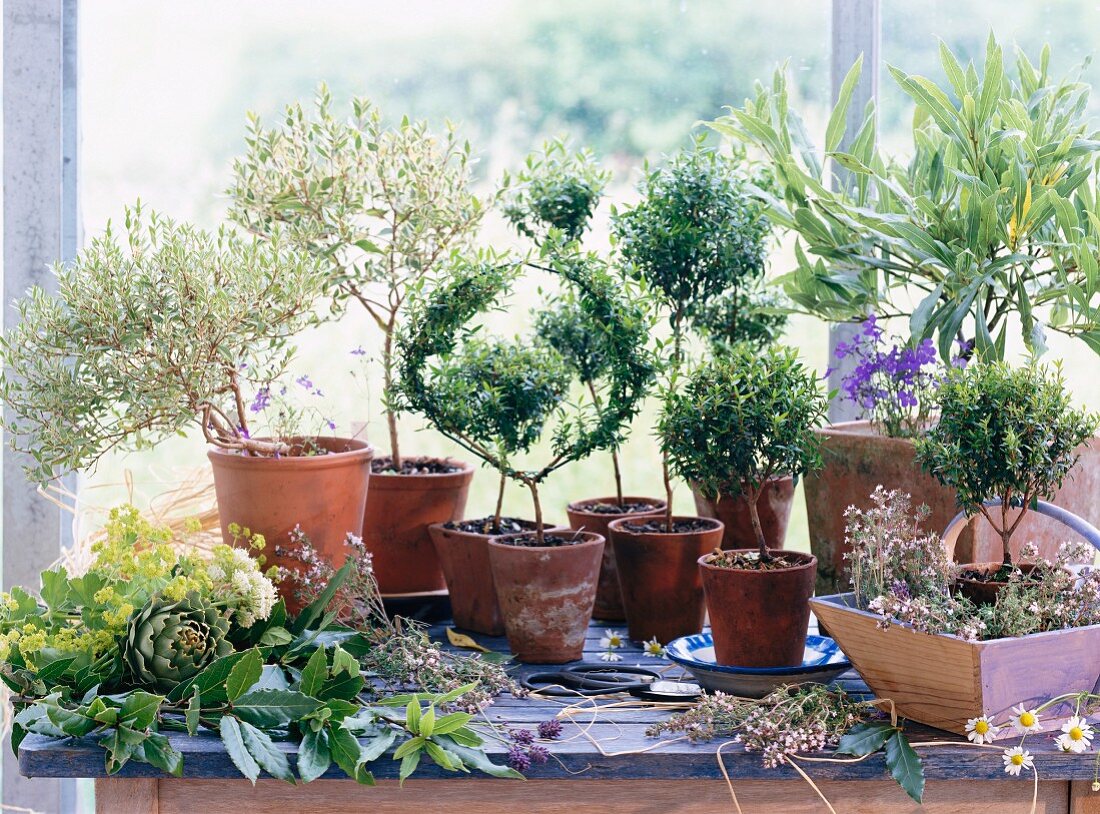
x=668, y=493
x=500, y=503
x=753, y=496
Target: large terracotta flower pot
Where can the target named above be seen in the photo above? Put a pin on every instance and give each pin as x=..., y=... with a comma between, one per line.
x=773, y=507
x=659, y=576
x=759, y=618
x=399, y=510
x=464, y=557
x=323, y=494
x=546, y=595
x=594, y=515
x=857, y=459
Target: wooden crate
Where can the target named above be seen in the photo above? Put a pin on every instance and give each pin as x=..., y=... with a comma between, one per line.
x=943, y=681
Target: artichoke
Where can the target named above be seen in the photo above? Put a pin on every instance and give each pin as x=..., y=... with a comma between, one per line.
x=169, y=642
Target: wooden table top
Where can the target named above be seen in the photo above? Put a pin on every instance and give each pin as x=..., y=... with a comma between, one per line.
x=574, y=756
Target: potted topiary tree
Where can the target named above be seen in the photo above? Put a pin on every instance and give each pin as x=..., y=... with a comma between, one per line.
x=734, y=424
x=383, y=206
x=934, y=224
x=163, y=329
x=1004, y=440
x=495, y=398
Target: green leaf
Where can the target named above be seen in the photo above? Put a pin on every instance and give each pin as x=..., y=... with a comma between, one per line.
x=449, y=723
x=314, y=673
x=905, y=765
x=275, y=636
x=55, y=669
x=270, y=758
x=55, y=587
x=139, y=709
x=313, y=756
x=834, y=132
x=234, y=746
x=344, y=662
x=71, y=722
x=271, y=709
x=194, y=708
x=317, y=608
x=121, y=745
x=212, y=676
x=412, y=716
x=244, y=674
x=346, y=687
x=375, y=747
x=346, y=752
x=477, y=759
x=408, y=766
x=863, y=739
x=427, y=722
x=157, y=751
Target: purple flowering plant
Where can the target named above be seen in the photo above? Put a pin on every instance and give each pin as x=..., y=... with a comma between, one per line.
x=894, y=383
x=291, y=411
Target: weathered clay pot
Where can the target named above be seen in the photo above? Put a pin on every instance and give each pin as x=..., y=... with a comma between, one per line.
x=323, y=494
x=609, y=599
x=464, y=557
x=395, y=525
x=659, y=578
x=773, y=507
x=857, y=459
x=759, y=618
x=982, y=592
x=546, y=596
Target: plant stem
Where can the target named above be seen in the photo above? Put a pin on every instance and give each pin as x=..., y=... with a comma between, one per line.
x=614, y=451
x=753, y=495
x=540, y=536
x=500, y=502
x=668, y=492
x=387, y=386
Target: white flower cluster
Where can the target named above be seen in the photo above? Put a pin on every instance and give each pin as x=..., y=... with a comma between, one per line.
x=248, y=592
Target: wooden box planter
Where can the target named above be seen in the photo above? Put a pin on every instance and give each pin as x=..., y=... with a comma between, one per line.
x=943, y=681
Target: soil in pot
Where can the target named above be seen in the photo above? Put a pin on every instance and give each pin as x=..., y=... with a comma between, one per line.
x=594, y=515
x=546, y=591
x=773, y=507
x=981, y=582
x=659, y=576
x=463, y=551
x=400, y=507
x=324, y=493
x=759, y=609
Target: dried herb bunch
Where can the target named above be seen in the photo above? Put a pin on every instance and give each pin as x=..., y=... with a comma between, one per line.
x=151, y=331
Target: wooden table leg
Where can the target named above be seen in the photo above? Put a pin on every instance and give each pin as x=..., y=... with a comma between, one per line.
x=1082, y=799
x=123, y=796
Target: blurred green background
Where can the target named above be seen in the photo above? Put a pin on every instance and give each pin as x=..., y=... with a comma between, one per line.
x=165, y=87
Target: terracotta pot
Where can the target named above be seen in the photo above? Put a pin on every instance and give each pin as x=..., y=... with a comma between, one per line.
x=324, y=494
x=659, y=578
x=464, y=557
x=759, y=618
x=774, y=508
x=857, y=459
x=546, y=596
x=984, y=592
x=395, y=525
x=609, y=599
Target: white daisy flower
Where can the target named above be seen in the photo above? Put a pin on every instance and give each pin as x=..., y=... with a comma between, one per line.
x=1016, y=760
x=653, y=648
x=1076, y=736
x=610, y=655
x=1025, y=720
x=612, y=640
x=980, y=730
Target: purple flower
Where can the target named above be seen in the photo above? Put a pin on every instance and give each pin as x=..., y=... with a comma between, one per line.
x=359, y=351
x=524, y=737
x=262, y=400
x=330, y=424
x=305, y=382
x=549, y=730
x=538, y=754
x=518, y=759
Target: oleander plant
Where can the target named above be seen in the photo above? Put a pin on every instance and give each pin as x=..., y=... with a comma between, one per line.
x=156, y=638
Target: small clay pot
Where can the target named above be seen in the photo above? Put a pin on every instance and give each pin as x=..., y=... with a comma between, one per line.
x=395, y=525
x=759, y=618
x=609, y=599
x=773, y=507
x=546, y=596
x=323, y=494
x=660, y=583
x=981, y=592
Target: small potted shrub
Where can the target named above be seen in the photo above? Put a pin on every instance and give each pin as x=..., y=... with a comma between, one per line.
x=1005, y=439
x=495, y=398
x=731, y=427
x=698, y=241
x=162, y=330
x=900, y=238
x=383, y=207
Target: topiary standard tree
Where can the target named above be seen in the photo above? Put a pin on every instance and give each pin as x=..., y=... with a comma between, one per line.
x=495, y=398
x=1003, y=434
x=147, y=335
x=741, y=419
x=696, y=236
x=382, y=206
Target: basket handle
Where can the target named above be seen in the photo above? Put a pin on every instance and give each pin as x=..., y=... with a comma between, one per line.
x=951, y=534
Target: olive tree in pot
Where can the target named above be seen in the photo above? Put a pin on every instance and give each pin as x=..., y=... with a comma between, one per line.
x=698, y=241
x=495, y=399
x=735, y=423
x=383, y=207
x=931, y=237
x=1005, y=439
x=161, y=329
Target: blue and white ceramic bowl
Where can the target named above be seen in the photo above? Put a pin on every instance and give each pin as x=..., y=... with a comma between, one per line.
x=822, y=663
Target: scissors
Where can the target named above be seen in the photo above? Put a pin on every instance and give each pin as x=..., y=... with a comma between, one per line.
x=601, y=679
